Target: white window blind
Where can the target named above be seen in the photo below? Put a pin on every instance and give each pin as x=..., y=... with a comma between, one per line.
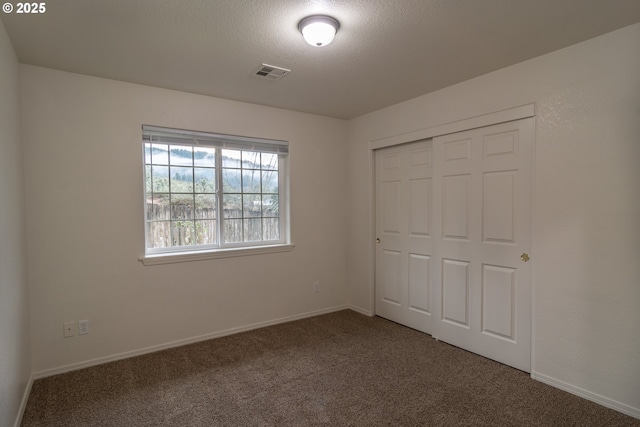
x=154, y=134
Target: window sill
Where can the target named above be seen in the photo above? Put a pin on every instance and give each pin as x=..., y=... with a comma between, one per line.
x=212, y=254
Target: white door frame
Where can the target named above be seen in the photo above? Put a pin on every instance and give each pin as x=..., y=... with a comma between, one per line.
x=511, y=114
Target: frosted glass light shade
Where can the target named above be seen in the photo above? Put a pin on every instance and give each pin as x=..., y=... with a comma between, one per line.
x=319, y=30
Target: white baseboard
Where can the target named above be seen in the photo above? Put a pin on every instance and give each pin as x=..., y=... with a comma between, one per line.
x=361, y=310
x=153, y=349
x=23, y=403
x=600, y=400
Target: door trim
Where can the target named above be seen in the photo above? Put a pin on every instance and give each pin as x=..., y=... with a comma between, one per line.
x=511, y=114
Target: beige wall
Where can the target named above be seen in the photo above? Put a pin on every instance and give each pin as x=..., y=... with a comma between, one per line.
x=15, y=366
x=587, y=204
x=83, y=159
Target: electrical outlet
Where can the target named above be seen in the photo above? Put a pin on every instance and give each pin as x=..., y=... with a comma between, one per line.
x=316, y=287
x=83, y=327
x=69, y=329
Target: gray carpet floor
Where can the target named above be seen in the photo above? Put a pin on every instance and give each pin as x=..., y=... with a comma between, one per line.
x=339, y=369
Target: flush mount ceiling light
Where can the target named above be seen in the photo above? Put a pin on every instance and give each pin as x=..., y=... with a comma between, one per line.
x=319, y=30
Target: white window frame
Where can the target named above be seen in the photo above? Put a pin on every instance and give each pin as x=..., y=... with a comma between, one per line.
x=161, y=135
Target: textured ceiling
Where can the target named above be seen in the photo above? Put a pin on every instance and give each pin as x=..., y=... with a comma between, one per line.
x=386, y=51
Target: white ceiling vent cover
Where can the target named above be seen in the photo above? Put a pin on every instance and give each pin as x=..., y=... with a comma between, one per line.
x=271, y=72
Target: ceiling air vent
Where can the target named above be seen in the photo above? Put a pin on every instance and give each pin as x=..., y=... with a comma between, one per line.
x=271, y=72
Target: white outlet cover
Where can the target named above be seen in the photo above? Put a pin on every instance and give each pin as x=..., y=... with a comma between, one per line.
x=83, y=327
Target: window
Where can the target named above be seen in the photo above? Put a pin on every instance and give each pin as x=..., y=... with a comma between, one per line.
x=207, y=192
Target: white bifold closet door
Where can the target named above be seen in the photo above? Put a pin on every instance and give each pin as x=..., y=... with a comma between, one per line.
x=469, y=278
